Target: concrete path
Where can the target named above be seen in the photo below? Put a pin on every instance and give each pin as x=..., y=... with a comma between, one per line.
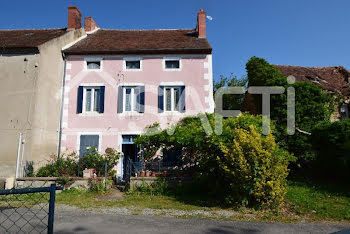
x=87, y=222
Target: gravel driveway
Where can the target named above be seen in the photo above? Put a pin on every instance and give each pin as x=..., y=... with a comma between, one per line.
x=89, y=222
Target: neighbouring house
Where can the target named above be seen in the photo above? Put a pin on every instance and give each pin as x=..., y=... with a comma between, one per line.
x=334, y=80
x=118, y=82
x=32, y=68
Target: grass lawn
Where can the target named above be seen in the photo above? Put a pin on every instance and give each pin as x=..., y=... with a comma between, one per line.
x=303, y=202
x=319, y=202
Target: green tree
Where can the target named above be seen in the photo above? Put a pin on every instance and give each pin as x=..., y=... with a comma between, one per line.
x=231, y=102
x=313, y=105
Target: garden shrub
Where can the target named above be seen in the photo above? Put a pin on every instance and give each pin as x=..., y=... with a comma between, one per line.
x=331, y=142
x=205, y=155
x=59, y=166
x=72, y=165
x=97, y=185
x=255, y=167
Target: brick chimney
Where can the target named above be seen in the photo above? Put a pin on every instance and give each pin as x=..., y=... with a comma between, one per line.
x=74, y=18
x=90, y=24
x=201, y=24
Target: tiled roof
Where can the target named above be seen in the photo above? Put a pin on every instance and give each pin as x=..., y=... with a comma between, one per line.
x=333, y=79
x=27, y=39
x=105, y=41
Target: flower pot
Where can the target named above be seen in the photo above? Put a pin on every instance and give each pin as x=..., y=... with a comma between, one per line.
x=142, y=173
x=147, y=173
x=154, y=174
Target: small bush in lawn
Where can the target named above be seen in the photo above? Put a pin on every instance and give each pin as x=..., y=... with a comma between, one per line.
x=158, y=187
x=97, y=185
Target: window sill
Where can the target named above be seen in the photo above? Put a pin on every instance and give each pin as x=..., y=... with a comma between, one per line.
x=172, y=69
x=172, y=113
x=131, y=114
x=90, y=114
x=132, y=70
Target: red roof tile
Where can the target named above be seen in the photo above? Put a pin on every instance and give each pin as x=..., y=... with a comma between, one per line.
x=333, y=79
x=106, y=41
x=27, y=38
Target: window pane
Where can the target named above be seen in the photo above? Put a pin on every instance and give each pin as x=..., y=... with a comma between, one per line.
x=88, y=100
x=93, y=65
x=97, y=100
x=176, y=98
x=172, y=64
x=128, y=99
x=168, y=99
x=133, y=64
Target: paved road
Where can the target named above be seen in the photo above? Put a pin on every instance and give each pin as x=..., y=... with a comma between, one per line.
x=84, y=222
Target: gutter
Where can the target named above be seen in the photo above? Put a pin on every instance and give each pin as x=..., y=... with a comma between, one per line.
x=62, y=105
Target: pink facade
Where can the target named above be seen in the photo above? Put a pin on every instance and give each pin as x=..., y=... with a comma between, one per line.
x=195, y=74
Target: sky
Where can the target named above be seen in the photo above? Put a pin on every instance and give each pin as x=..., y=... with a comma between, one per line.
x=288, y=32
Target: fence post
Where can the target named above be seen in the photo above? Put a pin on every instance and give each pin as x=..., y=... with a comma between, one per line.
x=51, y=208
x=106, y=175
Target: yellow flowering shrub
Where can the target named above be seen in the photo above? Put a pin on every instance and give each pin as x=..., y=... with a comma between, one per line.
x=255, y=168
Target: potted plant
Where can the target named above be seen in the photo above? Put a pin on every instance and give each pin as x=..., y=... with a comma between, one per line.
x=142, y=173
x=154, y=174
x=148, y=173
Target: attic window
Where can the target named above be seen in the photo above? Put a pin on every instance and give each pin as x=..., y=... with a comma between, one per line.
x=93, y=65
x=133, y=64
x=172, y=64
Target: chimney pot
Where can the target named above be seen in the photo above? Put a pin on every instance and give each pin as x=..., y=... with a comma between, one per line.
x=74, y=18
x=89, y=24
x=201, y=27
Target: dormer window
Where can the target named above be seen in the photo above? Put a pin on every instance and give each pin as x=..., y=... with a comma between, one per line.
x=132, y=64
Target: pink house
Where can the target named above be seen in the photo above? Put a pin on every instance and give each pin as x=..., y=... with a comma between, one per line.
x=117, y=82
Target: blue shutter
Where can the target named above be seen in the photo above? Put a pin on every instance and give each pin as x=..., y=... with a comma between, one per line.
x=161, y=99
x=142, y=99
x=80, y=99
x=137, y=96
x=120, y=100
x=88, y=141
x=182, y=100
x=102, y=99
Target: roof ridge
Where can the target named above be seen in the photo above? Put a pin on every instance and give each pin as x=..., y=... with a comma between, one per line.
x=170, y=29
x=28, y=29
x=306, y=66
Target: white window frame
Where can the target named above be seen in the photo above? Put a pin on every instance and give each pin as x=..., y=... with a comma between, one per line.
x=172, y=105
x=92, y=99
x=125, y=59
x=169, y=59
x=132, y=97
x=93, y=59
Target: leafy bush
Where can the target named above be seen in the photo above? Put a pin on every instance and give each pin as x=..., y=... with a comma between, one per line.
x=72, y=165
x=205, y=155
x=255, y=167
x=331, y=142
x=59, y=166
